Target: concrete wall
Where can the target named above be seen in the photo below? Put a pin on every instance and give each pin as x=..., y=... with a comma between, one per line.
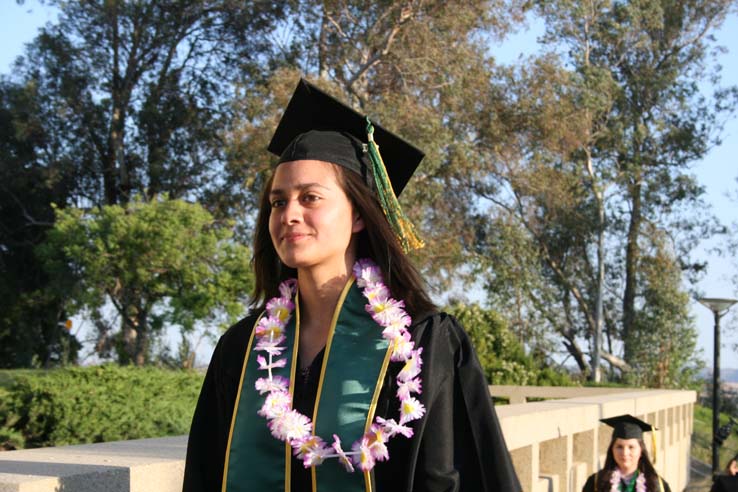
x=555, y=445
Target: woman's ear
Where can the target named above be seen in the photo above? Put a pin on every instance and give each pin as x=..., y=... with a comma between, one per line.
x=358, y=224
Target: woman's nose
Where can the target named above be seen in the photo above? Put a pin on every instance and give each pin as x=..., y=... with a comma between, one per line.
x=291, y=212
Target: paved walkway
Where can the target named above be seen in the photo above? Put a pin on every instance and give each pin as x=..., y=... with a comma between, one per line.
x=700, y=477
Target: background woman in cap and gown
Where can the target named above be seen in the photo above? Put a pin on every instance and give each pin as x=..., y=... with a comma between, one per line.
x=728, y=481
x=319, y=214
x=627, y=466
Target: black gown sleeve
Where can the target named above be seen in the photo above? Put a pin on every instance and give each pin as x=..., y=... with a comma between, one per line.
x=458, y=445
x=589, y=485
x=211, y=421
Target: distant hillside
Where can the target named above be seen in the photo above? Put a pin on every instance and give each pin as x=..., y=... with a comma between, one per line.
x=727, y=375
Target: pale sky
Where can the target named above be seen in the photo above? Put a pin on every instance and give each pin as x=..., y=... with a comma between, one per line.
x=717, y=172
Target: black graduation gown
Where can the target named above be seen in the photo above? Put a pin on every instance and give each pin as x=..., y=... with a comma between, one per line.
x=725, y=483
x=457, y=446
x=589, y=486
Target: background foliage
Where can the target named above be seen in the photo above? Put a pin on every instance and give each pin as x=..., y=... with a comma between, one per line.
x=556, y=189
x=95, y=404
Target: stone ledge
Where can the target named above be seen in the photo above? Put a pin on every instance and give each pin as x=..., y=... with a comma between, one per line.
x=142, y=465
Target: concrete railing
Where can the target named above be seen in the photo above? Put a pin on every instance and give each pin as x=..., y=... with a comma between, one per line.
x=555, y=445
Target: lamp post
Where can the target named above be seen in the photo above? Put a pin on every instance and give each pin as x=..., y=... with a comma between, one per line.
x=718, y=307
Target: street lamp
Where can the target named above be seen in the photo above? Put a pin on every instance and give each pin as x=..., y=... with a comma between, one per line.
x=718, y=307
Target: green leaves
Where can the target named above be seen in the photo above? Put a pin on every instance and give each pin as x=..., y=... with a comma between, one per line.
x=164, y=260
x=96, y=404
x=500, y=353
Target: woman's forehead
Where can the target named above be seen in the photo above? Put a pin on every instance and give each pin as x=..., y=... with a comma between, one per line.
x=626, y=442
x=303, y=173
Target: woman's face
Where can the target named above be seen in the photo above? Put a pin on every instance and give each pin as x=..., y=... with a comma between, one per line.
x=626, y=452
x=733, y=468
x=312, y=220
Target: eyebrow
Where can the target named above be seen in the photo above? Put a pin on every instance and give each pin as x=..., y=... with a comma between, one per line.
x=301, y=186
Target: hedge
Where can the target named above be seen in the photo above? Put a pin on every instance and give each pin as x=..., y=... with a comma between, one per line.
x=95, y=404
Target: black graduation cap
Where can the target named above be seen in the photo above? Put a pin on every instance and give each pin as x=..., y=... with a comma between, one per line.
x=627, y=427
x=315, y=125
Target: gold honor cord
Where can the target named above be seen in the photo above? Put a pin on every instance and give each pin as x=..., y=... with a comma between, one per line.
x=654, y=449
x=373, y=408
x=293, y=372
x=400, y=223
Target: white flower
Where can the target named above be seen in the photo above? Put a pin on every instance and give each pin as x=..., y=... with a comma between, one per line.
x=411, y=409
x=288, y=288
x=412, y=366
x=315, y=456
x=402, y=348
x=275, y=404
x=280, y=308
x=269, y=327
x=276, y=383
x=367, y=273
x=392, y=428
x=303, y=446
x=290, y=426
x=342, y=458
x=376, y=439
x=376, y=292
x=407, y=387
x=271, y=347
x=272, y=364
x=363, y=458
x=385, y=311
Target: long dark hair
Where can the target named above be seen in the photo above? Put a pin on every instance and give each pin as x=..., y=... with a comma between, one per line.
x=644, y=466
x=376, y=241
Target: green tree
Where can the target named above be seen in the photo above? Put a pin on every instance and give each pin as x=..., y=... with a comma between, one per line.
x=420, y=69
x=30, y=330
x=501, y=355
x=158, y=263
x=592, y=163
x=664, y=340
x=116, y=98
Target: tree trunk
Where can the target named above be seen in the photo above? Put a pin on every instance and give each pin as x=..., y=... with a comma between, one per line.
x=632, y=253
x=573, y=348
x=142, y=340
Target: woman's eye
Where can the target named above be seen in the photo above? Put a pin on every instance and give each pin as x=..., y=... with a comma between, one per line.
x=310, y=198
x=277, y=203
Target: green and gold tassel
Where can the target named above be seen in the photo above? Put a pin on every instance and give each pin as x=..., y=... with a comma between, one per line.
x=400, y=223
x=654, y=445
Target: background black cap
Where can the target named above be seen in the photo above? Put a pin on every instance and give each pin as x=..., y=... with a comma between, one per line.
x=315, y=125
x=627, y=427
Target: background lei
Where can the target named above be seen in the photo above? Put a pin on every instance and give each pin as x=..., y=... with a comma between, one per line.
x=289, y=425
x=616, y=477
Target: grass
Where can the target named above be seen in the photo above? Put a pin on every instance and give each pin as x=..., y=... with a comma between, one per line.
x=702, y=437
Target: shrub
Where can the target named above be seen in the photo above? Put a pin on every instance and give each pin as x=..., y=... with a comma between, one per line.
x=96, y=404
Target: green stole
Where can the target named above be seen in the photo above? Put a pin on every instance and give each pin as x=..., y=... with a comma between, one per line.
x=354, y=365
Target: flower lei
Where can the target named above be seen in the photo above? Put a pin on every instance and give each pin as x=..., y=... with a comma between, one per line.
x=289, y=425
x=616, y=477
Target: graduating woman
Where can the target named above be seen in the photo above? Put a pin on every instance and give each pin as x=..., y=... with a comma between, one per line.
x=627, y=467
x=728, y=481
x=345, y=377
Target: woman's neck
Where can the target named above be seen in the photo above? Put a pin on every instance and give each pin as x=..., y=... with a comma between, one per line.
x=318, y=297
x=319, y=292
x=627, y=475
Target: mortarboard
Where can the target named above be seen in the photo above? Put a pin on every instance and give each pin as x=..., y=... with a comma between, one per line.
x=317, y=126
x=627, y=426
